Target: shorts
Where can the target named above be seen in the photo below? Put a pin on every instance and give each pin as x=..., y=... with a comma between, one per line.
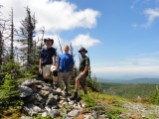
x=82, y=80
x=47, y=72
x=65, y=76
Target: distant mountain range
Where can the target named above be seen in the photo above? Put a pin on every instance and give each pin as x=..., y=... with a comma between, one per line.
x=134, y=81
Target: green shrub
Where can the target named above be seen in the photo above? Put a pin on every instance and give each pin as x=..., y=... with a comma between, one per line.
x=12, y=68
x=154, y=98
x=9, y=93
x=93, y=84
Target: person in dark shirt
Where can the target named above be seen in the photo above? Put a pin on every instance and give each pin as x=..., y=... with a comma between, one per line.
x=65, y=65
x=47, y=62
x=83, y=73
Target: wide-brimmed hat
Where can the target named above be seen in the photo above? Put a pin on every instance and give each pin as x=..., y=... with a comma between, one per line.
x=48, y=39
x=82, y=49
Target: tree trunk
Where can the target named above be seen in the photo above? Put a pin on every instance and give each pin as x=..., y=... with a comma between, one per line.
x=12, y=36
x=1, y=48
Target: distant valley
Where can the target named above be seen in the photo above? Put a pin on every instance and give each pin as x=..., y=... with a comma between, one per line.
x=132, y=81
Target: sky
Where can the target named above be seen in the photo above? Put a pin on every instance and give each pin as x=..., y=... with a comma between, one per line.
x=121, y=35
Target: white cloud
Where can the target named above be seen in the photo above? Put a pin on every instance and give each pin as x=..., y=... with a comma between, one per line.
x=152, y=15
x=85, y=41
x=55, y=15
x=134, y=3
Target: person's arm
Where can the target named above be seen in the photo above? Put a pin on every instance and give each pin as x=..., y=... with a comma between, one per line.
x=40, y=66
x=86, y=68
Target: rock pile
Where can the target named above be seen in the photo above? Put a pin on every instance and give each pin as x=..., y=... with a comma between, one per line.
x=40, y=98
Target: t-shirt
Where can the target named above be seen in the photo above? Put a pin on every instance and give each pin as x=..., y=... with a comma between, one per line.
x=46, y=55
x=65, y=62
x=83, y=62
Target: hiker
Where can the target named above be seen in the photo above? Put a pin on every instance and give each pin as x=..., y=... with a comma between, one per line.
x=47, y=62
x=65, y=65
x=83, y=73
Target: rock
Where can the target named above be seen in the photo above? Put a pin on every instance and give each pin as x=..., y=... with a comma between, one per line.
x=102, y=116
x=44, y=93
x=47, y=88
x=71, y=103
x=88, y=116
x=56, y=97
x=32, y=109
x=73, y=113
x=48, y=109
x=39, y=87
x=59, y=90
x=69, y=118
x=35, y=97
x=25, y=117
x=29, y=111
x=51, y=100
x=76, y=106
x=54, y=113
x=44, y=114
x=31, y=81
x=25, y=91
x=38, y=97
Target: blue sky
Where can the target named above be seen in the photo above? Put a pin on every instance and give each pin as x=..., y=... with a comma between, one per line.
x=128, y=38
x=120, y=35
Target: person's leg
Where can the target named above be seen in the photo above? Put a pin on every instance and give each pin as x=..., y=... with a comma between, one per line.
x=83, y=84
x=66, y=80
x=55, y=79
x=46, y=73
x=77, y=87
x=60, y=79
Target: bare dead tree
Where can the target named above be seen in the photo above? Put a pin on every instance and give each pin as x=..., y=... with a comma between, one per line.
x=2, y=29
x=12, y=37
x=27, y=30
x=1, y=48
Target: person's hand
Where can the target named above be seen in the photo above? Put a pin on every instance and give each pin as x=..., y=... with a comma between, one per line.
x=82, y=73
x=40, y=70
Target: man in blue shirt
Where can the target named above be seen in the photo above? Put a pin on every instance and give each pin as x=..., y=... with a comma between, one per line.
x=66, y=64
x=48, y=61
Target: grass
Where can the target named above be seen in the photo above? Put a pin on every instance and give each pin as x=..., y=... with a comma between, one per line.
x=104, y=104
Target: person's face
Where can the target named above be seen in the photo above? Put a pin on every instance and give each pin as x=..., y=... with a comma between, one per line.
x=66, y=49
x=82, y=53
x=48, y=43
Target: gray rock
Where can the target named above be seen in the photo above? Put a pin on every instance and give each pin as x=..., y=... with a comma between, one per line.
x=38, y=97
x=31, y=81
x=39, y=86
x=35, y=97
x=29, y=111
x=44, y=93
x=32, y=109
x=54, y=113
x=56, y=97
x=25, y=117
x=51, y=100
x=25, y=91
x=46, y=88
x=69, y=118
x=88, y=117
x=44, y=114
x=73, y=113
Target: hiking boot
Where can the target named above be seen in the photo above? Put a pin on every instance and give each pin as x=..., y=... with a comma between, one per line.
x=74, y=96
